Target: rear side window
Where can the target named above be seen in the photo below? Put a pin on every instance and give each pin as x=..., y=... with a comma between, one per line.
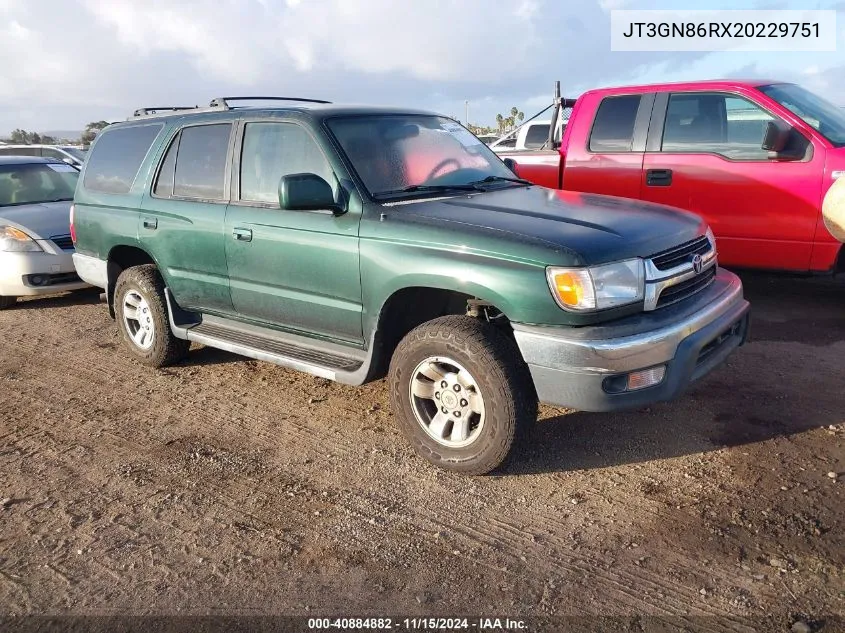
x=613, y=129
x=201, y=162
x=117, y=157
x=164, y=184
x=536, y=136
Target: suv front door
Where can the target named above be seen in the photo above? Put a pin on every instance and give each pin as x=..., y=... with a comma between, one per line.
x=704, y=154
x=298, y=270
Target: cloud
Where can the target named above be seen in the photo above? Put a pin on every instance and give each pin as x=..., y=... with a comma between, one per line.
x=66, y=63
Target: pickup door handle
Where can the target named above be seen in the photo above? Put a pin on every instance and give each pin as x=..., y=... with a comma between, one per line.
x=242, y=235
x=658, y=177
x=150, y=223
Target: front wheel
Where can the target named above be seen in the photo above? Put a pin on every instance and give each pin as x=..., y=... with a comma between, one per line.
x=141, y=314
x=461, y=393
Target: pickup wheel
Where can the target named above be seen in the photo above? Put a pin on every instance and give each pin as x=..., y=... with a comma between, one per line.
x=461, y=393
x=7, y=302
x=141, y=314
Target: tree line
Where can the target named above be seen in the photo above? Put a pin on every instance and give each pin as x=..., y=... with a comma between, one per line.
x=23, y=137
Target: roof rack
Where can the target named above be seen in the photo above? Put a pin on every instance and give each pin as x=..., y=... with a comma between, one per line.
x=158, y=109
x=223, y=102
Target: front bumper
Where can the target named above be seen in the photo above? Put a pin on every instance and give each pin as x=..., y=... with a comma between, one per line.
x=574, y=367
x=55, y=270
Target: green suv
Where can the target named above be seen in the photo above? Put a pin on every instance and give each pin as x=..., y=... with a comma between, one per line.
x=353, y=243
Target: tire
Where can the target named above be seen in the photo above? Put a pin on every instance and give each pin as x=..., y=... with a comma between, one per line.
x=7, y=302
x=492, y=367
x=141, y=315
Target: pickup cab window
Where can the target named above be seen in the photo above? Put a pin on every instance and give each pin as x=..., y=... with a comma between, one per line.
x=717, y=124
x=536, y=136
x=613, y=129
x=822, y=115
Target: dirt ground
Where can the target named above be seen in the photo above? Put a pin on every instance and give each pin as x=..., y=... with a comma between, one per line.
x=230, y=486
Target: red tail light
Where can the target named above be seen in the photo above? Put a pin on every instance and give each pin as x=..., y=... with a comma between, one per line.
x=72, y=230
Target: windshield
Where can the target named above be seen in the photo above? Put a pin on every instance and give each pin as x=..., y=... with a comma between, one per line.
x=33, y=183
x=391, y=153
x=76, y=152
x=815, y=111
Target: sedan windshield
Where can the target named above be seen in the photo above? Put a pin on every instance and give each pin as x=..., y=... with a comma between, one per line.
x=402, y=154
x=815, y=111
x=34, y=183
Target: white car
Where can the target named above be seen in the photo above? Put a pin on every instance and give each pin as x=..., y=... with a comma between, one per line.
x=35, y=244
x=528, y=136
x=67, y=153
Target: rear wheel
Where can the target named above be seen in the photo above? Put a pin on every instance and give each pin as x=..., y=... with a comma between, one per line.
x=461, y=393
x=7, y=302
x=141, y=314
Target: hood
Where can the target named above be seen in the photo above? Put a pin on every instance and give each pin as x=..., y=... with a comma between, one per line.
x=597, y=229
x=41, y=221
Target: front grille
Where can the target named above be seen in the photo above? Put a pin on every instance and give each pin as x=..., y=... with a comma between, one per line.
x=63, y=242
x=681, y=254
x=686, y=288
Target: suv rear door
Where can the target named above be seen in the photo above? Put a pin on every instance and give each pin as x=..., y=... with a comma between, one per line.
x=704, y=154
x=182, y=214
x=295, y=269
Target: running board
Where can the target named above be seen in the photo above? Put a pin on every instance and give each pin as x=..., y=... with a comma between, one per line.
x=326, y=360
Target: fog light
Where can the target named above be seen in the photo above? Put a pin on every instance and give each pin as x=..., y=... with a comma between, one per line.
x=36, y=280
x=646, y=377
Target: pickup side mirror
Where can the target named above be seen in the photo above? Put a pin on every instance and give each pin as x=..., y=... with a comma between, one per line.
x=307, y=192
x=776, y=136
x=510, y=163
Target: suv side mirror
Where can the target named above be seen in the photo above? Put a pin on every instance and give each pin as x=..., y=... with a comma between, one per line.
x=307, y=192
x=776, y=136
x=510, y=163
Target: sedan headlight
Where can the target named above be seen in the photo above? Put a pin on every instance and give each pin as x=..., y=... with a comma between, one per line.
x=597, y=287
x=14, y=240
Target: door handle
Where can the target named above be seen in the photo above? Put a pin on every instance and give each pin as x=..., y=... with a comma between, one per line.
x=242, y=235
x=658, y=177
x=150, y=223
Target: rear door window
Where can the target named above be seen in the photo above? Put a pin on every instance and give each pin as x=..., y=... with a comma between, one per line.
x=536, y=136
x=613, y=129
x=201, y=162
x=117, y=157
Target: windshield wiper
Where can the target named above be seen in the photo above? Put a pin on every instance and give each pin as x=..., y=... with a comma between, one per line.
x=423, y=188
x=521, y=181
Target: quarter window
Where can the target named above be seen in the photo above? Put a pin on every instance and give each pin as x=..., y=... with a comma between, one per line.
x=117, y=157
x=201, y=162
x=273, y=150
x=715, y=123
x=613, y=129
x=164, y=184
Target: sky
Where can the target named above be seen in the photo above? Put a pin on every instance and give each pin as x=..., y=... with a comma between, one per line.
x=67, y=62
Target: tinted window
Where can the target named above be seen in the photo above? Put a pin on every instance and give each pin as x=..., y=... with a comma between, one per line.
x=715, y=123
x=537, y=135
x=508, y=142
x=273, y=150
x=117, y=157
x=201, y=162
x=613, y=129
x=164, y=183
x=20, y=151
x=827, y=118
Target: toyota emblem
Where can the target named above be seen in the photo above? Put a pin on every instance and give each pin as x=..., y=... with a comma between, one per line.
x=697, y=263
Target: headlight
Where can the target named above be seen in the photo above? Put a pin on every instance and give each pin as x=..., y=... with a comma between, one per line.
x=14, y=240
x=598, y=287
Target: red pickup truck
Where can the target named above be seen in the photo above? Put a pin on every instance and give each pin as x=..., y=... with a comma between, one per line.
x=754, y=158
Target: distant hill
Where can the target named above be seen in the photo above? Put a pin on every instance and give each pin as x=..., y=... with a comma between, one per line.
x=68, y=134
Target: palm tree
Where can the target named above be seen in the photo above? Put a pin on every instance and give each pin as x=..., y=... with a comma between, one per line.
x=500, y=120
x=520, y=116
x=514, y=112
